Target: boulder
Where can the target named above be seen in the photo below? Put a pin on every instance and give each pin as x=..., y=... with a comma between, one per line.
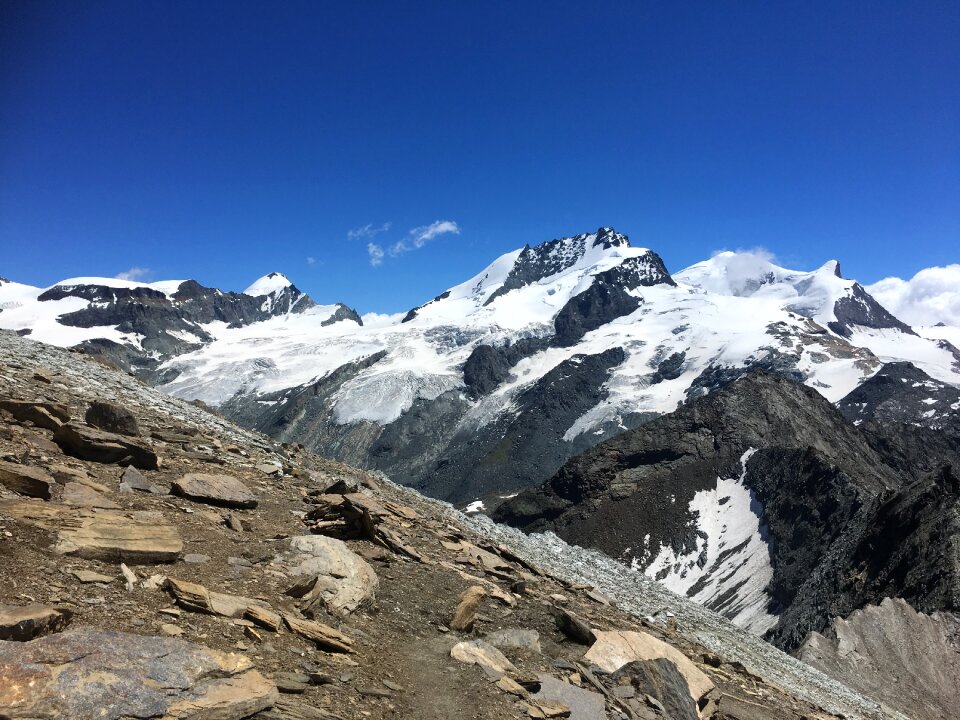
x=222, y=490
x=25, y=622
x=113, y=675
x=334, y=576
x=136, y=538
x=515, y=639
x=661, y=680
x=616, y=648
x=112, y=418
x=89, y=443
x=29, y=481
x=42, y=414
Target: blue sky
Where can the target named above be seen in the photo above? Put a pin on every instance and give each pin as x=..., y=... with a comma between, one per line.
x=221, y=142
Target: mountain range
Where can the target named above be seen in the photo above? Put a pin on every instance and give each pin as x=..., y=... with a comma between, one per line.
x=751, y=436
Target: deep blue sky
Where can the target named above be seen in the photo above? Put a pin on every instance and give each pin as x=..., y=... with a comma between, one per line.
x=222, y=142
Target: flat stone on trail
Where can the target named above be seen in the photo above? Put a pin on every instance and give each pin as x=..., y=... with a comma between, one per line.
x=337, y=578
x=87, y=673
x=137, y=538
x=26, y=480
x=89, y=576
x=88, y=443
x=477, y=652
x=223, y=490
x=25, y=622
x=615, y=648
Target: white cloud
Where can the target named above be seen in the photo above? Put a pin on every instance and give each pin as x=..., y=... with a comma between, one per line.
x=929, y=297
x=368, y=231
x=134, y=274
x=311, y=261
x=422, y=235
x=376, y=254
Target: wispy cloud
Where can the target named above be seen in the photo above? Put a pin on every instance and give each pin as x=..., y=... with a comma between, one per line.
x=419, y=236
x=311, y=260
x=376, y=254
x=368, y=231
x=134, y=274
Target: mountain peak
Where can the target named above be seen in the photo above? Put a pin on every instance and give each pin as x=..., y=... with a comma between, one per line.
x=268, y=284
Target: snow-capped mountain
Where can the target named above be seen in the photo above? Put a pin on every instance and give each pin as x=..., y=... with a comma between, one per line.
x=492, y=385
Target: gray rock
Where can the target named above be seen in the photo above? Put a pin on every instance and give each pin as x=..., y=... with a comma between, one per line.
x=583, y=704
x=515, y=639
x=222, y=490
x=337, y=579
x=661, y=680
x=112, y=418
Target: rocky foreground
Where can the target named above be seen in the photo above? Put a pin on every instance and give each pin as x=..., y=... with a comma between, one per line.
x=157, y=561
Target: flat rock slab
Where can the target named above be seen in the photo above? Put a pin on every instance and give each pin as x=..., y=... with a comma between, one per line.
x=89, y=443
x=583, y=704
x=26, y=480
x=25, y=622
x=132, y=479
x=477, y=652
x=198, y=598
x=616, y=648
x=82, y=495
x=222, y=490
x=87, y=673
x=323, y=636
x=136, y=538
x=661, y=680
x=42, y=414
x=339, y=579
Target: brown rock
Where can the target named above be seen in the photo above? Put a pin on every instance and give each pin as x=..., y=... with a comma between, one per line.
x=89, y=443
x=573, y=626
x=116, y=537
x=192, y=596
x=112, y=418
x=477, y=652
x=324, y=636
x=29, y=481
x=42, y=414
x=466, y=611
x=29, y=621
x=264, y=617
x=223, y=490
x=88, y=576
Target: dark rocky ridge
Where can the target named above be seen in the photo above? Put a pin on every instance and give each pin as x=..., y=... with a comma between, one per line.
x=847, y=526
x=860, y=308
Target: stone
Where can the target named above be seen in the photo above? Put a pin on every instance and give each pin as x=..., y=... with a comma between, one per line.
x=192, y=596
x=222, y=490
x=292, y=682
x=323, y=636
x=545, y=710
x=25, y=480
x=132, y=479
x=112, y=418
x=478, y=652
x=171, y=630
x=95, y=445
x=196, y=558
x=285, y=708
x=335, y=577
x=616, y=648
x=87, y=673
x=42, y=414
x=25, y=622
x=465, y=614
x=138, y=539
x=661, y=680
x=264, y=617
x=573, y=626
x=43, y=375
x=88, y=576
x=81, y=495
x=582, y=704
x=270, y=469
x=515, y=639
x=234, y=522
x=129, y=576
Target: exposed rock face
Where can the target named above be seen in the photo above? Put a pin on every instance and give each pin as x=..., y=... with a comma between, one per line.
x=860, y=309
x=902, y=393
x=909, y=660
x=836, y=523
x=111, y=675
x=117, y=537
x=42, y=414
